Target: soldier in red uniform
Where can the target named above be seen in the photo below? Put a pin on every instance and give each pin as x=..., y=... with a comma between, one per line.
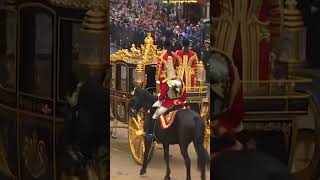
x=172, y=91
x=231, y=121
x=186, y=63
x=162, y=62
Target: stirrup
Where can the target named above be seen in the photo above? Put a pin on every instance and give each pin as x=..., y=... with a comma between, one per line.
x=148, y=136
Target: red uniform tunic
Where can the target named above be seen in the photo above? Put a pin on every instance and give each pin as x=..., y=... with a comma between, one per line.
x=186, y=67
x=166, y=102
x=234, y=116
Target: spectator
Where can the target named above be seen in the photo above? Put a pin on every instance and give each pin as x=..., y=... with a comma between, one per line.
x=131, y=24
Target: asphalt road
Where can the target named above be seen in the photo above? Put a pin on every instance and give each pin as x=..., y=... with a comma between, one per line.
x=123, y=167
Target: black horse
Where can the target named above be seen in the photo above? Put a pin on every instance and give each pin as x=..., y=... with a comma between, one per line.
x=187, y=127
x=84, y=137
x=229, y=164
x=247, y=165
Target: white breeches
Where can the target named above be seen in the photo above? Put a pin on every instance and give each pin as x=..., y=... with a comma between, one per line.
x=159, y=111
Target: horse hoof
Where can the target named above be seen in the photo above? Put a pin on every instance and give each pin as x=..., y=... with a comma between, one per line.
x=167, y=178
x=142, y=171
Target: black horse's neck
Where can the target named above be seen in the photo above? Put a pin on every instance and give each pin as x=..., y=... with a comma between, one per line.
x=147, y=99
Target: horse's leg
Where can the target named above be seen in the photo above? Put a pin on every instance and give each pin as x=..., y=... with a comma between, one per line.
x=114, y=130
x=166, y=158
x=145, y=156
x=184, y=152
x=203, y=157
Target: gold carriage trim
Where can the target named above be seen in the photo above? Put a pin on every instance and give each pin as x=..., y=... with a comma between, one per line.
x=148, y=53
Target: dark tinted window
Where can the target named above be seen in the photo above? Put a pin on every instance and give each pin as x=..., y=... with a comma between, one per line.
x=36, y=58
x=8, y=21
x=69, y=56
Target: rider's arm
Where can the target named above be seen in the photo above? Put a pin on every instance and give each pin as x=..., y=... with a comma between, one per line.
x=163, y=91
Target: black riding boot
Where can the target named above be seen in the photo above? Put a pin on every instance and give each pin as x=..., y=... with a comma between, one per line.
x=149, y=133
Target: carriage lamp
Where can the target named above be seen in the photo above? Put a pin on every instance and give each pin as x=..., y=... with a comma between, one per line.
x=140, y=75
x=200, y=73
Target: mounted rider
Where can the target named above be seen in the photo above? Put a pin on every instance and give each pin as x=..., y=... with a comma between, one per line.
x=172, y=89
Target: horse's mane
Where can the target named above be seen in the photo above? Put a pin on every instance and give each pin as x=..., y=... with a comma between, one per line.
x=147, y=97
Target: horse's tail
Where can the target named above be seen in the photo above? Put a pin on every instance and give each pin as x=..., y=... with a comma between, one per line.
x=203, y=156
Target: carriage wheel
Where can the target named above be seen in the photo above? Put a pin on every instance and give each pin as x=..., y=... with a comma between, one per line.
x=136, y=138
x=306, y=148
x=207, y=136
x=204, y=112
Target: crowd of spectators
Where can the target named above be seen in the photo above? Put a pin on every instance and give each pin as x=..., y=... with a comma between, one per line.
x=131, y=23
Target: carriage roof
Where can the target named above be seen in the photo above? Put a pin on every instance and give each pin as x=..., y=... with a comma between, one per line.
x=147, y=54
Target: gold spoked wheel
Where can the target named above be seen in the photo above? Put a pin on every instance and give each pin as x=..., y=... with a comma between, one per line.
x=136, y=138
x=204, y=113
x=207, y=136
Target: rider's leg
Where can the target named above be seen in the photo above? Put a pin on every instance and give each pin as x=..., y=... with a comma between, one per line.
x=155, y=116
x=158, y=112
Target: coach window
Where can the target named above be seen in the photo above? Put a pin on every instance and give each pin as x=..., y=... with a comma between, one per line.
x=121, y=76
x=36, y=52
x=69, y=56
x=132, y=79
x=8, y=21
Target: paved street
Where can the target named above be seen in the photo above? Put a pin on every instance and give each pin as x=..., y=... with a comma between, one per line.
x=123, y=166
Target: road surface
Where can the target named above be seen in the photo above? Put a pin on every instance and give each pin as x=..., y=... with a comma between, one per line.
x=123, y=167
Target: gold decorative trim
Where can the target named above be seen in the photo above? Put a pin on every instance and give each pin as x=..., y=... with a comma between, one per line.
x=148, y=53
x=35, y=155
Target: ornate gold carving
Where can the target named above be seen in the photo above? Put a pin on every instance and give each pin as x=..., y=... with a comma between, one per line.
x=292, y=17
x=200, y=73
x=4, y=166
x=140, y=75
x=95, y=20
x=35, y=155
x=148, y=53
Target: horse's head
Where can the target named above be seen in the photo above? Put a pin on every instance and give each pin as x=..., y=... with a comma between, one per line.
x=135, y=101
x=141, y=100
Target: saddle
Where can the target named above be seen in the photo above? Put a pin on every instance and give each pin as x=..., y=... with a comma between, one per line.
x=167, y=118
